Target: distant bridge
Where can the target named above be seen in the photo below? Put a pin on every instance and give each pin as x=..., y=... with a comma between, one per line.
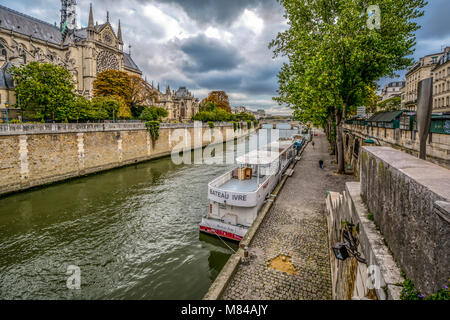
x=276, y=121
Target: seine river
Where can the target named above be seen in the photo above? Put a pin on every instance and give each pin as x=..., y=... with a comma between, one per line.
x=133, y=232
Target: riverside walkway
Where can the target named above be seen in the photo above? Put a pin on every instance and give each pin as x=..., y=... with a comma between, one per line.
x=289, y=255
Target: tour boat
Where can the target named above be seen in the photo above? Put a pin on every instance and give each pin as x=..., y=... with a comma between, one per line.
x=237, y=196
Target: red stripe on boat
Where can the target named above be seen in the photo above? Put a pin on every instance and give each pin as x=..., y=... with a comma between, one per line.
x=221, y=233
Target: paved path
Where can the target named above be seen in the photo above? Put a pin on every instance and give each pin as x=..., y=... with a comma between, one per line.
x=295, y=227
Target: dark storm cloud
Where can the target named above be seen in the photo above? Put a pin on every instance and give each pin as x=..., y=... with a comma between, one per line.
x=214, y=44
x=206, y=54
x=431, y=37
x=435, y=21
x=218, y=11
x=220, y=81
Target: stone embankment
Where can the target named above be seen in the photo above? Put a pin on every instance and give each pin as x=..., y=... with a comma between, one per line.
x=37, y=154
x=438, y=145
x=401, y=210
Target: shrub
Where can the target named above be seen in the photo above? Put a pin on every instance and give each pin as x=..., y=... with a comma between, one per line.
x=148, y=114
x=153, y=114
x=109, y=108
x=409, y=292
x=211, y=124
x=153, y=128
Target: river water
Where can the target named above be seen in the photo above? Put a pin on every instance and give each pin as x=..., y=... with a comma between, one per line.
x=133, y=233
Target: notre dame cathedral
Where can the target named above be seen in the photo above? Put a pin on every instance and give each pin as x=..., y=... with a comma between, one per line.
x=83, y=51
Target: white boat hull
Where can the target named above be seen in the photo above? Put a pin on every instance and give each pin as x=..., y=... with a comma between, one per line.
x=232, y=210
x=221, y=229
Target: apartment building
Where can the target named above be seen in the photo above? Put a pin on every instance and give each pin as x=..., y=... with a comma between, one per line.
x=421, y=70
x=441, y=82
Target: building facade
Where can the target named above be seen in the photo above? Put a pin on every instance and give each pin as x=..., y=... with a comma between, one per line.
x=392, y=89
x=238, y=110
x=421, y=70
x=181, y=105
x=441, y=83
x=83, y=51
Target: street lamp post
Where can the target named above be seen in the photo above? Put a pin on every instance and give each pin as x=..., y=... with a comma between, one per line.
x=6, y=107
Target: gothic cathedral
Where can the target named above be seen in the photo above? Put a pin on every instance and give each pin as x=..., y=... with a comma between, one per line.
x=83, y=51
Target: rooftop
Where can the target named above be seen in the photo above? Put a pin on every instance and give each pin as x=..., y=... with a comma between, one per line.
x=29, y=26
x=258, y=157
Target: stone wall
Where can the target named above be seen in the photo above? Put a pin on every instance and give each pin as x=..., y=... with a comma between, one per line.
x=379, y=278
x=408, y=198
x=36, y=154
x=438, y=145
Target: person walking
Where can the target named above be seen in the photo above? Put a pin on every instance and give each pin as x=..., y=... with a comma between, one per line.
x=321, y=164
x=313, y=143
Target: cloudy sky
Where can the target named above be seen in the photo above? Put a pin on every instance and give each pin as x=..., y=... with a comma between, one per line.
x=213, y=44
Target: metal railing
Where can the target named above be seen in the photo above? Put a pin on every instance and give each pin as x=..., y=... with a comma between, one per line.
x=41, y=128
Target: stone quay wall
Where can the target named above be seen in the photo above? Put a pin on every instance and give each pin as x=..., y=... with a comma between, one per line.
x=438, y=145
x=410, y=202
x=380, y=277
x=37, y=154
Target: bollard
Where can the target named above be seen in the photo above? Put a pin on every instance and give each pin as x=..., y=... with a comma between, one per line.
x=245, y=252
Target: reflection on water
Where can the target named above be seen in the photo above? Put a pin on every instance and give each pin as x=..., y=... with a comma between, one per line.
x=132, y=231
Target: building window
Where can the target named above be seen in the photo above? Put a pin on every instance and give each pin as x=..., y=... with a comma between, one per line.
x=3, y=50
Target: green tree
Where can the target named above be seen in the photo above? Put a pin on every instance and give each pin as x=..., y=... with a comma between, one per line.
x=244, y=116
x=80, y=109
x=44, y=89
x=153, y=114
x=334, y=56
x=109, y=108
x=391, y=104
x=372, y=99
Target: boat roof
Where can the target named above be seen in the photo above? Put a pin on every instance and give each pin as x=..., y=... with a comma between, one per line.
x=258, y=157
x=277, y=145
x=280, y=143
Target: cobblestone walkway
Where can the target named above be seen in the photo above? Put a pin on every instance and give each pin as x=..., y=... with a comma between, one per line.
x=295, y=227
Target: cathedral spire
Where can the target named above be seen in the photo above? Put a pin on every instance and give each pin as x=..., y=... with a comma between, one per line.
x=119, y=34
x=107, y=16
x=91, y=19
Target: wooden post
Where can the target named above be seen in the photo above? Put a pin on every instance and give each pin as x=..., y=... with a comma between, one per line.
x=424, y=109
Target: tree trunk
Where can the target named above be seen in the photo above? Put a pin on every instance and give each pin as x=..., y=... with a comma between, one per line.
x=339, y=141
x=330, y=129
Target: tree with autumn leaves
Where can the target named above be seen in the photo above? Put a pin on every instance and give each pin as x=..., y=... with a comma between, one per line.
x=219, y=99
x=131, y=90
